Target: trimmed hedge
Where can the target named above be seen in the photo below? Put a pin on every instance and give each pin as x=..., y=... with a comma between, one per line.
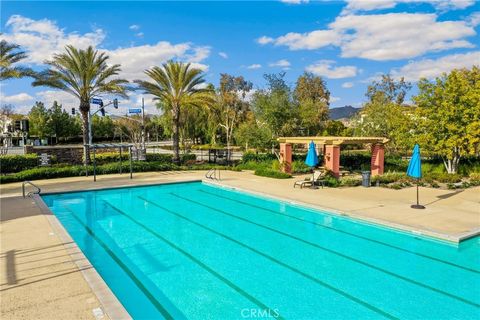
x=17, y=163
x=79, y=170
x=111, y=157
x=257, y=157
x=270, y=173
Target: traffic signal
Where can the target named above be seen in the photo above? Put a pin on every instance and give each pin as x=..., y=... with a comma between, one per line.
x=115, y=103
x=102, y=110
x=24, y=125
x=17, y=125
x=73, y=111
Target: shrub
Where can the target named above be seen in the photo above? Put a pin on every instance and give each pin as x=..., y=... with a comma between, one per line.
x=350, y=182
x=443, y=177
x=474, y=179
x=17, y=163
x=253, y=165
x=300, y=167
x=257, y=157
x=110, y=157
x=390, y=177
x=270, y=173
x=187, y=157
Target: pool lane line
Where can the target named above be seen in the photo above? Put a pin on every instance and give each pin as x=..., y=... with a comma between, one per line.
x=415, y=282
x=306, y=275
x=191, y=257
x=124, y=267
x=345, y=232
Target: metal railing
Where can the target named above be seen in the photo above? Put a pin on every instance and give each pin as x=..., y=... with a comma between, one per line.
x=37, y=191
x=212, y=174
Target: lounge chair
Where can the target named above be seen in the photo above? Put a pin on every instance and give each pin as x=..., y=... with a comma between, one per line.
x=318, y=177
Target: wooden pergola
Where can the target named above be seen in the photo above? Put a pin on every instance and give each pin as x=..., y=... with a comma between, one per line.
x=331, y=154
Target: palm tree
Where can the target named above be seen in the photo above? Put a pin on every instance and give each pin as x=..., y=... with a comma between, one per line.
x=9, y=55
x=84, y=74
x=176, y=85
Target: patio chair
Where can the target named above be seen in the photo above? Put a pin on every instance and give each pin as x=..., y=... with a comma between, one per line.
x=318, y=177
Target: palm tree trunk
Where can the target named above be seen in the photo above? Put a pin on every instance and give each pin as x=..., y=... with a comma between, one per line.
x=176, y=138
x=85, y=109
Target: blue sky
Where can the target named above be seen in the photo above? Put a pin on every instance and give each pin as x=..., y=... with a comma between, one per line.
x=349, y=43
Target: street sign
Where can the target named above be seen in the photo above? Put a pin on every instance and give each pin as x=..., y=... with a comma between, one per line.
x=44, y=159
x=96, y=101
x=135, y=111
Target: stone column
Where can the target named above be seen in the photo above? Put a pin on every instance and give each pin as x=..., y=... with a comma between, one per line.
x=332, y=159
x=378, y=155
x=286, y=157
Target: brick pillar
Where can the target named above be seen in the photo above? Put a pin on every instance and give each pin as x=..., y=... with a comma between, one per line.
x=286, y=157
x=377, y=164
x=332, y=159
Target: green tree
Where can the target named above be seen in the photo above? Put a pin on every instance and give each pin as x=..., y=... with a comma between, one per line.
x=449, y=115
x=38, y=120
x=176, y=85
x=252, y=135
x=84, y=74
x=274, y=106
x=334, y=128
x=231, y=105
x=59, y=123
x=384, y=114
x=102, y=127
x=313, y=99
x=10, y=55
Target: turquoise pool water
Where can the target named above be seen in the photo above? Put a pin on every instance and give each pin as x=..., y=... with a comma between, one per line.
x=196, y=251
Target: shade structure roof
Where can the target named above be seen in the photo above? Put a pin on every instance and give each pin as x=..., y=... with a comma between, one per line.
x=333, y=140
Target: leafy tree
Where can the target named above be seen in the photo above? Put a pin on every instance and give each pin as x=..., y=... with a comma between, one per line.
x=102, y=127
x=274, y=106
x=449, y=115
x=334, y=128
x=131, y=127
x=253, y=135
x=59, y=122
x=84, y=74
x=38, y=120
x=384, y=115
x=313, y=99
x=231, y=104
x=176, y=85
x=10, y=55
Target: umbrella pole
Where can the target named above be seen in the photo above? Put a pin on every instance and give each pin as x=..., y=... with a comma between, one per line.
x=417, y=206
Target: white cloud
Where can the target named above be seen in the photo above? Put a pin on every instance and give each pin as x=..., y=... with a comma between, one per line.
x=295, y=1
x=134, y=27
x=140, y=34
x=43, y=38
x=134, y=60
x=474, y=19
x=392, y=36
x=254, y=66
x=325, y=68
x=367, y=5
x=334, y=99
x=223, y=55
x=19, y=98
x=282, y=63
x=431, y=68
x=265, y=40
x=347, y=85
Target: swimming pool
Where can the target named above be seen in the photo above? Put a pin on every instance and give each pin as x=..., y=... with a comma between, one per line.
x=198, y=251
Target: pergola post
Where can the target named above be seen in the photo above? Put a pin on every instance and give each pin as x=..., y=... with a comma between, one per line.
x=286, y=157
x=378, y=158
x=332, y=159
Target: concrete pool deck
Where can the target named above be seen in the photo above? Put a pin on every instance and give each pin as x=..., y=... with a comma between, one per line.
x=46, y=277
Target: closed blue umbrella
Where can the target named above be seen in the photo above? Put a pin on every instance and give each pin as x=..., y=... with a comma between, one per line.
x=414, y=170
x=312, y=160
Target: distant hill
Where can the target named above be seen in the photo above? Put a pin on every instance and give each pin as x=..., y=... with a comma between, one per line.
x=345, y=112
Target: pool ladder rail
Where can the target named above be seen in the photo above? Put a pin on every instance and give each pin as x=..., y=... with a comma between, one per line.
x=212, y=174
x=31, y=193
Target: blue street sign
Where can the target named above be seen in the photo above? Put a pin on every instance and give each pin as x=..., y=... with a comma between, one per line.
x=96, y=101
x=134, y=110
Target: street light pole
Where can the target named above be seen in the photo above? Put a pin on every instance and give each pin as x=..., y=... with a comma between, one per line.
x=143, y=126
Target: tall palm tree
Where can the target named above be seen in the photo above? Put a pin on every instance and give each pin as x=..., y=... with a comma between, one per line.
x=84, y=74
x=177, y=85
x=9, y=55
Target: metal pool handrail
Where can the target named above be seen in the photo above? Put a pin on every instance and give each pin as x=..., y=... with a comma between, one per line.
x=212, y=174
x=37, y=191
